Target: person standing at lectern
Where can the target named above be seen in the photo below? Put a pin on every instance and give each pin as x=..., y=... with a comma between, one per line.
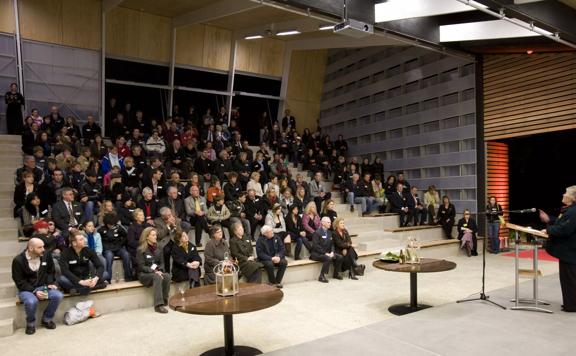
x=562, y=245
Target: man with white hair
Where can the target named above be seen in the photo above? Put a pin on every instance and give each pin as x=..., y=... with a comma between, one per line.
x=270, y=251
x=33, y=272
x=323, y=250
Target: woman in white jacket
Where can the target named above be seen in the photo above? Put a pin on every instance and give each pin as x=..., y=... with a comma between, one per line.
x=255, y=184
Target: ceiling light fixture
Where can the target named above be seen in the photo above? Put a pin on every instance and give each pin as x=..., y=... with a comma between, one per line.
x=326, y=27
x=288, y=33
x=253, y=37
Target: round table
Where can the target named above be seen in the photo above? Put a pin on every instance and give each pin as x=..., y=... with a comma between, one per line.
x=204, y=301
x=426, y=265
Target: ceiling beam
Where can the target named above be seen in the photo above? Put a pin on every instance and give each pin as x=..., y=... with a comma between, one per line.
x=214, y=11
x=108, y=5
x=341, y=42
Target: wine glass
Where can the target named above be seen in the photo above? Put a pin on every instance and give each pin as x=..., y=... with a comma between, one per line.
x=182, y=289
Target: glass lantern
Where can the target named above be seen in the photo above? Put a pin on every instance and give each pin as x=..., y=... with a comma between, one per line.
x=226, y=278
x=412, y=251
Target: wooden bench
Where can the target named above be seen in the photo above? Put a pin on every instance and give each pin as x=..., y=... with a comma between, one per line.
x=412, y=228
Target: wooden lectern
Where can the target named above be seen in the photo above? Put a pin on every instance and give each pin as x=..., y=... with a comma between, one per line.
x=533, y=273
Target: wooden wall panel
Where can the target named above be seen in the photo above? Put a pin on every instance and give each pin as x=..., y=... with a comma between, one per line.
x=217, y=44
x=248, y=55
x=272, y=55
x=304, y=91
x=131, y=33
x=41, y=20
x=6, y=16
x=497, y=176
x=123, y=32
x=529, y=94
x=81, y=23
x=190, y=45
x=155, y=37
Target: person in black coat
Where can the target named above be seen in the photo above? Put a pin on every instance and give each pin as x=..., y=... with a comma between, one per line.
x=295, y=229
x=14, y=102
x=176, y=204
x=562, y=245
x=415, y=207
x=114, y=244
x=468, y=224
x=323, y=251
x=186, y=261
x=33, y=273
x=270, y=251
x=148, y=205
x=232, y=188
x=399, y=204
x=446, y=215
x=150, y=260
x=81, y=268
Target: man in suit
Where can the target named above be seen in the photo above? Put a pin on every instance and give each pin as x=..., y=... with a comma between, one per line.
x=270, y=251
x=175, y=203
x=323, y=250
x=156, y=182
x=33, y=273
x=416, y=208
x=66, y=213
x=167, y=225
x=317, y=191
x=196, y=210
x=399, y=204
x=288, y=120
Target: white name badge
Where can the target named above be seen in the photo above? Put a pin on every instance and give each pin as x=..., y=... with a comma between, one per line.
x=148, y=256
x=78, y=213
x=43, y=263
x=159, y=187
x=95, y=190
x=73, y=262
x=115, y=235
x=192, y=249
x=44, y=211
x=154, y=266
x=324, y=236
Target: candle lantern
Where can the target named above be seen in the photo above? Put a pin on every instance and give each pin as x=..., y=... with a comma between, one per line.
x=412, y=251
x=226, y=278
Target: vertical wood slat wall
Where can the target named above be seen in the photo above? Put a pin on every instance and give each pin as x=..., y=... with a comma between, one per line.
x=497, y=176
x=529, y=94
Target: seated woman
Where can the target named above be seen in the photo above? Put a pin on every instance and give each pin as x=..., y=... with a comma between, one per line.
x=241, y=249
x=33, y=211
x=445, y=217
x=21, y=191
x=311, y=223
x=106, y=208
x=467, y=229
x=186, y=261
x=295, y=229
x=275, y=220
x=255, y=184
x=133, y=235
x=328, y=210
x=343, y=246
x=150, y=261
x=216, y=250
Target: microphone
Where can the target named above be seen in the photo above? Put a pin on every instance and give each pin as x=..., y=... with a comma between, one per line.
x=526, y=211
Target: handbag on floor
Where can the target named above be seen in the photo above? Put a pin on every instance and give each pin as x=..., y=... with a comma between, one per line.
x=80, y=312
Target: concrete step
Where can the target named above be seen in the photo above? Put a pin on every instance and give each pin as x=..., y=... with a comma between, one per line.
x=5, y=203
x=8, y=290
x=10, y=138
x=8, y=222
x=5, y=277
x=9, y=234
x=6, y=212
x=375, y=241
x=11, y=248
x=6, y=327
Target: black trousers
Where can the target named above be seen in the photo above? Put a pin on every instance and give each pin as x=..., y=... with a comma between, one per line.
x=568, y=285
x=418, y=216
x=326, y=262
x=167, y=251
x=319, y=200
x=349, y=261
x=269, y=267
x=447, y=227
x=200, y=224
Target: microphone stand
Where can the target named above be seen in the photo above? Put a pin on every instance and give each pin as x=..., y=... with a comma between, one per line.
x=483, y=295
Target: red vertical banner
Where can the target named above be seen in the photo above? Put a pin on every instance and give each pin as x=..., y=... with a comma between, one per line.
x=498, y=177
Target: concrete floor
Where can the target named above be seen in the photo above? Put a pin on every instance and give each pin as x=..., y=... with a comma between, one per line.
x=309, y=311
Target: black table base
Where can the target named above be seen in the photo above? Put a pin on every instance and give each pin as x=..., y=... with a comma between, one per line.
x=229, y=348
x=238, y=351
x=403, y=309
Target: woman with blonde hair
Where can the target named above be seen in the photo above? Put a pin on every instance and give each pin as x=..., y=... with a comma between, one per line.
x=275, y=220
x=151, y=268
x=343, y=246
x=328, y=210
x=311, y=223
x=106, y=208
x=255, y=184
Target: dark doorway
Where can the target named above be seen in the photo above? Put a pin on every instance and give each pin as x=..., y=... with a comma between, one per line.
x=541, y=167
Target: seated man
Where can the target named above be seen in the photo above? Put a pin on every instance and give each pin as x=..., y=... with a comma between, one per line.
x=81, y=268
x=67, y=213
x=167, y=225
x=399, y=204
x=417, y=211
x=270, y=251
x=33, y=272
x=317, y=191
x=323, y=250
x=195, y=206
x=114, y=244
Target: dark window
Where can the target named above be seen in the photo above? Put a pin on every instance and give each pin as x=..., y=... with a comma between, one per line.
x=137, y=72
